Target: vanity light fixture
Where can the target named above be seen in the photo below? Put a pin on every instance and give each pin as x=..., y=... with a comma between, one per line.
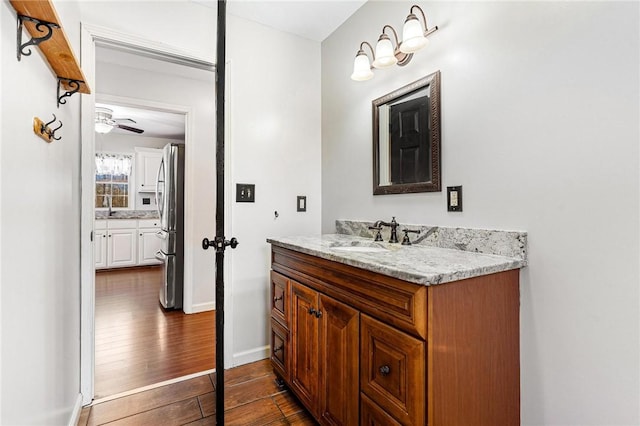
x=387, y=54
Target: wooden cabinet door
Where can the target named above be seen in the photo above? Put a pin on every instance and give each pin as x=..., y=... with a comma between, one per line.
x=304, y=345
x=280, y=298
x=339, y=362
x=280, y=350
x=393, y=371
x=372, y=415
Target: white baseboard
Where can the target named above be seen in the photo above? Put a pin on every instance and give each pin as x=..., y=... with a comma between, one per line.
x=251, y=355
x=75, y=414
x=203, y=307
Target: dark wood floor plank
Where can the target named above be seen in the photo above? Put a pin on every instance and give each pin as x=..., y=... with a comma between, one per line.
x=138, y=343
x=174, y=414
x=256, y=413
x=249, y=391
x=247, y=372
x=301, y=419
x=144, y=401
x=287, y=403
x=208, y=404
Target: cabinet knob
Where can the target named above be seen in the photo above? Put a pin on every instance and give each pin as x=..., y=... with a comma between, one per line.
x=278, y=349
x=275, y=299
x=384, y=370
x=313, y=311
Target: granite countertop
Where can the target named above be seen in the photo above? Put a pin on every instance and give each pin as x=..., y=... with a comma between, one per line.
x=127, y=214
x=416, y=263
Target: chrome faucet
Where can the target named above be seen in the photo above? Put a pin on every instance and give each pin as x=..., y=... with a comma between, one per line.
x=394, y=229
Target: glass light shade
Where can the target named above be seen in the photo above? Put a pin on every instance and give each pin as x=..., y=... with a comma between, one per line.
x=361, y=67
x=385, y=55
x=103, y=127
x=413, y=38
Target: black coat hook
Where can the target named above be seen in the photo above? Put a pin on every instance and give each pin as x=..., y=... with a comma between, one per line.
x=46, y=130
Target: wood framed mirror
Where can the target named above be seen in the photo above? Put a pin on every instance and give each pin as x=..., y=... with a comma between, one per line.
x=406, y=138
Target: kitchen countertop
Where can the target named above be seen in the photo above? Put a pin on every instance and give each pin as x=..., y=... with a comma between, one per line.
x=418, y=264
x=127, y=214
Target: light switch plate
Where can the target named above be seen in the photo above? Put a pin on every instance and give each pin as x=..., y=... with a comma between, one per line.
x=245, y=193
x=302, y=203
x=454, y=198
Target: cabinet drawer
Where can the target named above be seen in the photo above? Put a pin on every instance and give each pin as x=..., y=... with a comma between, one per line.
x=392, y=371
x=148, y=223
x=100, y=224
x=372, y=415
x=280, y=349
x=280, y=298
x=122, y=224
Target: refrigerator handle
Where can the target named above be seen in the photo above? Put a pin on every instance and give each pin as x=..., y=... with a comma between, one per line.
x=157, y=195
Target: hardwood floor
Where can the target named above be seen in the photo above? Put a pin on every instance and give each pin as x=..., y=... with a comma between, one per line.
x=138, y=343
x=251, y=398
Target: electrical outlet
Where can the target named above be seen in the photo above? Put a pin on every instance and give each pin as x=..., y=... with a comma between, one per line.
x=454, y=198
x=245, y=193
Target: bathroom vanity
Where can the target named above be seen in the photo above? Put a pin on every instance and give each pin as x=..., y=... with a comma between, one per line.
x=383, y=334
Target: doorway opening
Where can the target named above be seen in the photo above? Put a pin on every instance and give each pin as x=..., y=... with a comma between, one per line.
x=119, y=303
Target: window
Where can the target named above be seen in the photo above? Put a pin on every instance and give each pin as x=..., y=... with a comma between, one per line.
x=113, y=176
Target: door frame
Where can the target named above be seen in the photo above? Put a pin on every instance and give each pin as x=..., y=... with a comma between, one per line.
x=90, y=35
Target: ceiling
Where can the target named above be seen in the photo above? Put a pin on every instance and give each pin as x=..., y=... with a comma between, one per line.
x=156, y=124
x=311, y=19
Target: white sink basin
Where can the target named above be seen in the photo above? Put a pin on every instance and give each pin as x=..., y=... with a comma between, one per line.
x=360, y=249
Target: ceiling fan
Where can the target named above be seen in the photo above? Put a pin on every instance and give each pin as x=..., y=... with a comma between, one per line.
x=105, y=123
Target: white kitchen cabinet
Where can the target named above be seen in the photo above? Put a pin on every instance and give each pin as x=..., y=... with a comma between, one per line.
x=148, y=242
x=147, y=165
x=121, y=247
x=100, y=243
x=126, y=242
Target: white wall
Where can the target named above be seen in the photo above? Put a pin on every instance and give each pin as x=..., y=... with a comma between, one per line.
x=540, y=125
x=274, y=109
x=39, y=237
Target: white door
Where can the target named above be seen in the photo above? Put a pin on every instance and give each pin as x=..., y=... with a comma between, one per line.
x=121, y=247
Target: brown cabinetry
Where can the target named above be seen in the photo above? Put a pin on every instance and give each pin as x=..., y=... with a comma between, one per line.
x=357, y=347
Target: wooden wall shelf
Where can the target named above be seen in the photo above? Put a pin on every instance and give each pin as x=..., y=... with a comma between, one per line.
x=57, y=49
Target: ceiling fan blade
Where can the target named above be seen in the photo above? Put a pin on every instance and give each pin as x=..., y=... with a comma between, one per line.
x=125, y=119
x=131, y=129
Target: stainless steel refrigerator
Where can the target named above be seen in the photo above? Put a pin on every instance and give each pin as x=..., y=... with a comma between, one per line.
x=170, y=202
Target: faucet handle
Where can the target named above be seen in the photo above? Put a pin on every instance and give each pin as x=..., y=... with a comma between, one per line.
x=405, y=240
x=378, y=236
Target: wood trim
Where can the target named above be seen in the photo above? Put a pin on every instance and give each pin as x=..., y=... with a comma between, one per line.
x=474, y=358
x=400, y=303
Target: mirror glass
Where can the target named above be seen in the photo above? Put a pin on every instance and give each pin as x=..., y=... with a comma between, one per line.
x=406, y=138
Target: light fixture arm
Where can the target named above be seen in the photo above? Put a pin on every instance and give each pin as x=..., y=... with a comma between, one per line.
x=373, y=55
x=427, y=31
x=395, y=35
